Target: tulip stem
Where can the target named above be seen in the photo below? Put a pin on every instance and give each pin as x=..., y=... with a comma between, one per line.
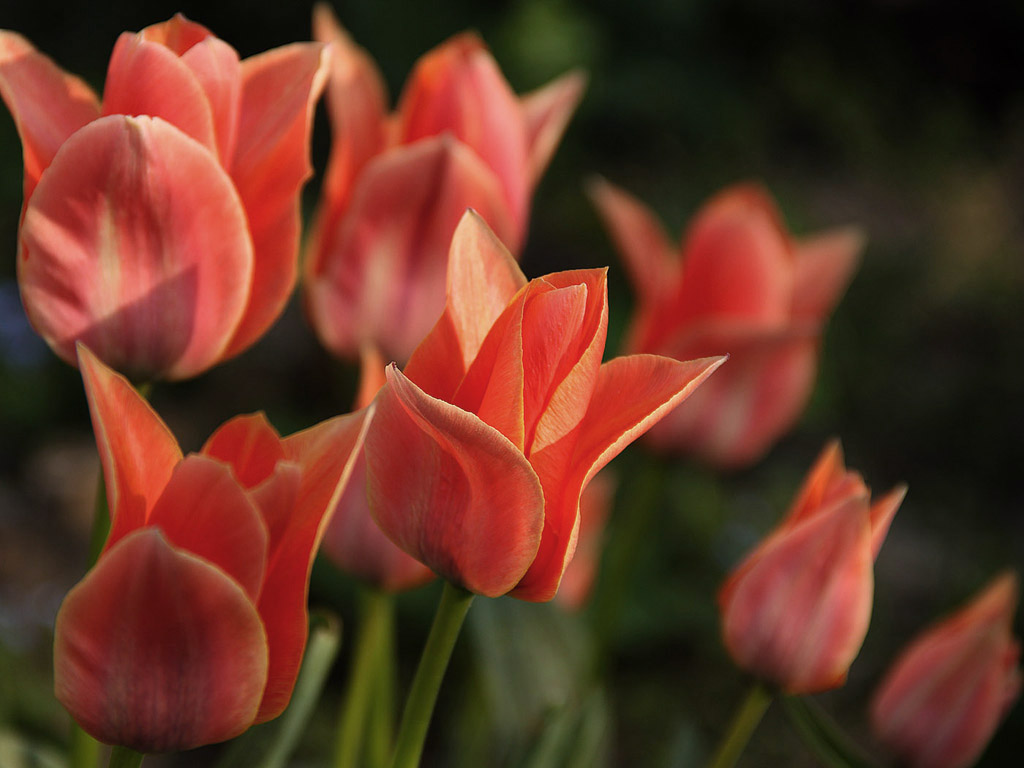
x=419, y=706
x=376, y=621
x=122, y=757
x=381, y=731
x=85, y=750
x=743, y=725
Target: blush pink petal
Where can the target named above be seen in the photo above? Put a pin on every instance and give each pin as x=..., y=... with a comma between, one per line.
x=147, y=78
x=546, y=112
x=269, y=166
x=385, y=281
x=135, y=242
x=218, y=71
x=204, y=511
x=48, y=105
x=250, y=445
x=157, y=649
x=471, y=508
x=825, y=265
x=178, y=33
x=137, y=450
x=458, y=88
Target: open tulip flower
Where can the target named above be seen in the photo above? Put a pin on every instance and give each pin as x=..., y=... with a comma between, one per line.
x=796, y=610
x=739, y=285
x=192, y=624
x=397, y=185
x=480, y=449
x=946, y=694
x=161, y=226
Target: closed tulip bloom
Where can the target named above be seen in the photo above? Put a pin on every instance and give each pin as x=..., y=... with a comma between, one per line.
x=353, y=541
x=161, y=226
x=191, y=626
x=796, y=610
x=947, y=692
x=739, y=284
x=397, y=184
x=481, y=447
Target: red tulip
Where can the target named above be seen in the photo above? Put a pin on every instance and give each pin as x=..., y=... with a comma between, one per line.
x=796, y=610
x=946, y=694
x=353, y=541
x=161, y=227
x=739, y=285
x=397, y=185
x=479, y=451
x=191, y=626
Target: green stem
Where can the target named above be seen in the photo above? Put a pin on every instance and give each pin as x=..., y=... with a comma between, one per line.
x=743, y=725
x=381, y=730
x=375, y=621
x=122, y=757
x=419, y=706
x=85, y=750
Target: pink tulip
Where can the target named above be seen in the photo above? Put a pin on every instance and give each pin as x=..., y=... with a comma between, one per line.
x=946, y=694
x=480, y=449
x=161, y=226
x=192, y=624
x=739, y=284
x=796, y=610
x=397, y=185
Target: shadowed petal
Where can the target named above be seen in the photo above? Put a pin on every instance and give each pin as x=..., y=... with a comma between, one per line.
x=158, y=650
x=451, y=491
x=47, y=104
x=136, y=243
x=824, y=266
x=137, y=449
x=250, y=445
x=547, y=111
x=178, y=33
x=882, y=513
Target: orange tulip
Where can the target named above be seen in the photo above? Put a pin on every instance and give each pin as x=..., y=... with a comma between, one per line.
x=161, y=227
x=397, y=185
x=741, y=286
x=796, y=610
x=191, y=626
x=946, y=694
x=479, y=450
x=353, y=541
x=580, y=575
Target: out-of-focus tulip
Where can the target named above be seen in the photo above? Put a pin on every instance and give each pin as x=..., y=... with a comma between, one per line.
x=161, y=226
x=740, y=284
x=191, y=626
x=353, y=541
x=595, y=506
x=397, y=185
x=946, y=694
x=479, y=451
x=796, y=610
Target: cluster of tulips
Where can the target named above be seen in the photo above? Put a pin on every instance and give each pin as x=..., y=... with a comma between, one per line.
x=160, y=236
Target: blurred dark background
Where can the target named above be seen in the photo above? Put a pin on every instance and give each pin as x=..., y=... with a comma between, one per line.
x=903, y=116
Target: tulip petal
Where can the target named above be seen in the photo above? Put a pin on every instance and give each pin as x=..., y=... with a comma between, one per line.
x=451, y=491
x=204, y=511
x=827, y=482
x=325, y=455
x=631, y=394
x=137, y=449
x=136, y=243
x=825, y=265
x=270, y=165
x=178, y=33
x=158, y=650
x=595, y=507
x=250, y=445
x=882, y=513
x=385, y=282
x=651, y=261
x=547, y=111
x=48, y=105
x=218, y=71
x=482, y=279
x=797, y=609
x=371, y=375
x=458, y=87
x=357, y=104
x=147, y=78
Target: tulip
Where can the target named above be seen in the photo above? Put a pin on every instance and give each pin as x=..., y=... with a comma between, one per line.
x=579, y=577
x=796, y=610
x=946, y=694
x=397, y=185
x=481, y=447
x=353, y=541
x=740, y=285
x=191, y=626
x=160, y=227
